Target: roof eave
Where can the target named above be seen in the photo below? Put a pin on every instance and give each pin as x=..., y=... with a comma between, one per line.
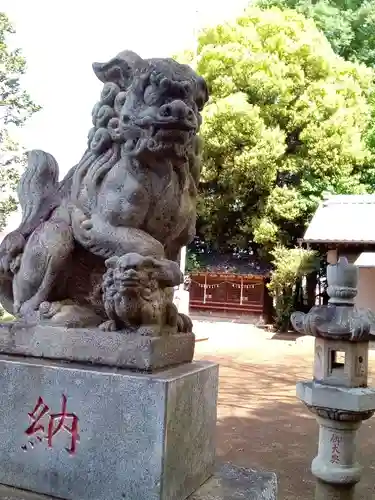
x=340, y=242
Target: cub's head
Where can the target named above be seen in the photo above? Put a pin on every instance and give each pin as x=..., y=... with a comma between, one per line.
x=150, y=106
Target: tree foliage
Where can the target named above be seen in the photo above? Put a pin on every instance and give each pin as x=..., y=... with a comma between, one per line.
x=192, y=262
x=290, y=266
x=349, y=25
x=16, y=107
x=285, y=123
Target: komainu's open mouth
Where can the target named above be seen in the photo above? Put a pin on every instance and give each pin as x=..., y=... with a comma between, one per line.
x=171, y=135
x=174, y=125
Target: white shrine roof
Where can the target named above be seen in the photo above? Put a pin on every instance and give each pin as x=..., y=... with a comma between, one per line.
x=343, y=219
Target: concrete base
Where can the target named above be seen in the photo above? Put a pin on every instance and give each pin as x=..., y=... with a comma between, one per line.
x=229, y=483
x=80, y=433
x=93, y=346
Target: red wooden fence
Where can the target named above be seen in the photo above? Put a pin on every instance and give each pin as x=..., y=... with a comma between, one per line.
x=227, y=292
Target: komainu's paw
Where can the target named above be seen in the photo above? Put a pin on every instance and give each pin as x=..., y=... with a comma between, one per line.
x=48, y=309
x=68, y=314
x=109, y=326
x=82, y=227
x=184, y=323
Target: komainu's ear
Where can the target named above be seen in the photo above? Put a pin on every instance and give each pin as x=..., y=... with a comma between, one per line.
x=115, y=71
x=118, y=70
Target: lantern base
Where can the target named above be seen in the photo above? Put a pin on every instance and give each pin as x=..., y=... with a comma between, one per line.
x=325, y=491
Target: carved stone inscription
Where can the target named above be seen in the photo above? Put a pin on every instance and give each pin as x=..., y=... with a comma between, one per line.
x=335, y=448
x=45, y=424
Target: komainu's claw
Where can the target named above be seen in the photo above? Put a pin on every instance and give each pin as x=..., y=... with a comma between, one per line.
x=184, y=323
x=109, y=326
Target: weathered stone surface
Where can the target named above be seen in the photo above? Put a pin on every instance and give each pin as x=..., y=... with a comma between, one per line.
x=351, y=372
x=125, y=350
x=9, y=493
x=338, y=394
x=235, y=483
x=229, y=483
x=336, y=461
x=357, y=399
x=325, y=491
x=101, y=247
x=141, y=436
x=340, y=319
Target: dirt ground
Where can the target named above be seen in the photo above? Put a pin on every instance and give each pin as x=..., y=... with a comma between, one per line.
x=261, y=424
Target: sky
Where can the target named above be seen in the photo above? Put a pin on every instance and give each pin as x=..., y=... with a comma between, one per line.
x=61, y=40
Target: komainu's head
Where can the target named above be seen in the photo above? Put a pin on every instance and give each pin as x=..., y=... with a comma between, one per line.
x=149, y=106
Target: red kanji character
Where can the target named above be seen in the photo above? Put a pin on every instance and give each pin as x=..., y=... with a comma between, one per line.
x=335, y=458
x=35, y=425
x=335, y=439
x=61, y=417
x=335, y=448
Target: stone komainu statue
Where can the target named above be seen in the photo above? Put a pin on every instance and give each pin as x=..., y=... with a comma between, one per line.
x=101, y=246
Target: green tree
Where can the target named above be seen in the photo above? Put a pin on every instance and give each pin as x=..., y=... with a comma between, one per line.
x=290, y=266
x=349, y=25
x=285, y=123
x=192, y=262
x=368, y=173
x=15, y=107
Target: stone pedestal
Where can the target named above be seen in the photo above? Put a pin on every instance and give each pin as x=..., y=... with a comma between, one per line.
x=77, y=424
x=93, y=346
x=81, y=433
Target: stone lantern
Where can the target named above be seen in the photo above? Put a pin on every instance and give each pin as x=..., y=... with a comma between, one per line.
x=338, y=394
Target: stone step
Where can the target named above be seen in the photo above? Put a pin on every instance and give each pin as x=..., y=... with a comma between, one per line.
x=229, y=483
x=232, y=482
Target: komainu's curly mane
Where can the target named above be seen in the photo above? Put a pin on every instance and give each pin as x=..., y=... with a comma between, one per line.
x=123, y=129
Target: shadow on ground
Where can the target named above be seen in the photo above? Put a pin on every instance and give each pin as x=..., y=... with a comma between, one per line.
x=262, y=425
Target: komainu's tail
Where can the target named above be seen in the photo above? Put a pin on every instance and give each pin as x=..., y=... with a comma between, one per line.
x=38, y=190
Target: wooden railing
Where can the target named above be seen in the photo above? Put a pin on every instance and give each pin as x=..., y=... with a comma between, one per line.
x=227, y=292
